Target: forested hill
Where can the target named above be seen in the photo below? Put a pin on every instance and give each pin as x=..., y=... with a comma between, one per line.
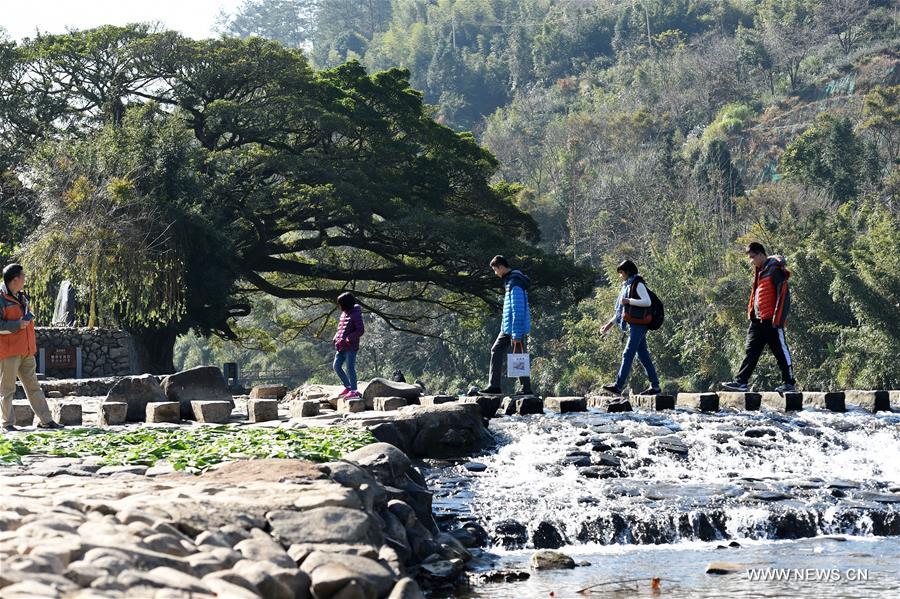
x=670, y=132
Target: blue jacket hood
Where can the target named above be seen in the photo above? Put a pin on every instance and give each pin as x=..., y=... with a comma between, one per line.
x=516, y=278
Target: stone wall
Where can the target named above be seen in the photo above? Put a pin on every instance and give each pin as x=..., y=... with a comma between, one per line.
x=104, y=352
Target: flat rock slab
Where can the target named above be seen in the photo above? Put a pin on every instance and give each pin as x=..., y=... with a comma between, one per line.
x=203, y=383
x=211, y=411
x=792, y=401
x=488, y=404
x=113, y=413
x=832, y=401
x=565, y=405
x=737, y=400
x=871, y=401
x=164, y=411
x=654, y=403
x=23, y=412
x=262, y=410
x=65, y=413
x=268, y=392
x=705, y=402
x=609, y=403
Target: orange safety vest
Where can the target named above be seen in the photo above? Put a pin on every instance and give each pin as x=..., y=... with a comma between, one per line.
x=23, y=341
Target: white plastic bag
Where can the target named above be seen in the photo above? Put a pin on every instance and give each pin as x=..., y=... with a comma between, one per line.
x=518, y=365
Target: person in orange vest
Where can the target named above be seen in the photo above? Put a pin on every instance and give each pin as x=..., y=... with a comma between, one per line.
x=770, y=303
x=17, y=348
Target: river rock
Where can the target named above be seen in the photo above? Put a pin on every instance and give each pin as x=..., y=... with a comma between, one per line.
x=488, y=404
x=136, y=392
x=268, y=392
x=406, y=588
x=379, y=387
x=546, y=536
x=324, y=525
x=547, y=559
x=266, y=548
x=336, y=581
x=565, y=405
x=376, y=574
x=672, y=444
x=725, y=568
x=510, y=534
x=203, y=383
x=522, y=405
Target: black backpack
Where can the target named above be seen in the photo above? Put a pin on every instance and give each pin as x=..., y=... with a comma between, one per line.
x=651, y=317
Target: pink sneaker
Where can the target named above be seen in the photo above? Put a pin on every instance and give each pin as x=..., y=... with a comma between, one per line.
x=344, y=393
x=353, y=395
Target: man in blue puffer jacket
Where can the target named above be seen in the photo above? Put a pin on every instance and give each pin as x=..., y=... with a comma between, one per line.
x=515, y=326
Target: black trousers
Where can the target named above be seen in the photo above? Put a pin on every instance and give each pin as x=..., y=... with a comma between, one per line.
x=498, y=353
x=759, y=335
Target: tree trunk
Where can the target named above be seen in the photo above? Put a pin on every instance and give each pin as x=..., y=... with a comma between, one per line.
x=155, y=350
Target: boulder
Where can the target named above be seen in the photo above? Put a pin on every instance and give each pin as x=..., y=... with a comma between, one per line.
x=406, y=588
x=339, y=582
x=203, y=383
x=374, y=573
x=136, y=392
x=113, y=413
x=379, y=387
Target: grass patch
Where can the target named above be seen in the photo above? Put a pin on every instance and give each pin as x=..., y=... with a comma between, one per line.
x=190, y=449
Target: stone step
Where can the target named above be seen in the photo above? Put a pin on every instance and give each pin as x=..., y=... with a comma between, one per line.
x=871, y=401
x=113, y=413
x=522, y=405
x=304, y=408
x=654, y=403
x=792, y=401
x=389, y=404
x=705, y=402
x=216, y=412
x=832, y=401
x=24, y=414
x=164, y=411
x=66, y=413
x=434, y=400
x=609, y=403
x=565, y=405
x=263, y=410
x=738, y=400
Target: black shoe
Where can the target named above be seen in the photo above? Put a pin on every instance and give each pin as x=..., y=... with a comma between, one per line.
x=50, y=425
x=491, y=391
x=736, y=385
x=10, y=428
x=650, y=391
x=524, y=392
x=612, y=389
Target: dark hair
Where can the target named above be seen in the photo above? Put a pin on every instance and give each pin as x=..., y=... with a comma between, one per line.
x=11, y=271
x=346, y=301
x=628, y=267
x=499, y=260
x=756, y=248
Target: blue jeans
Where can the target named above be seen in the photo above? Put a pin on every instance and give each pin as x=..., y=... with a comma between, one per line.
x=637, y=344
x=348, y=378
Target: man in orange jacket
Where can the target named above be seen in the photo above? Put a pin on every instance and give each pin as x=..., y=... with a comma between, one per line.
x=770, y=302
x=17, y=348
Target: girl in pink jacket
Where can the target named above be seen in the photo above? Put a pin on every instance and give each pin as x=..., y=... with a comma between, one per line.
x=346, y=342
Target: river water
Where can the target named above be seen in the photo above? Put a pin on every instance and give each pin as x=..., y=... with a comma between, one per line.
x=812, y=498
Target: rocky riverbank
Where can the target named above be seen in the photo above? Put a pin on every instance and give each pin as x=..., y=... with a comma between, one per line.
x=360, y=527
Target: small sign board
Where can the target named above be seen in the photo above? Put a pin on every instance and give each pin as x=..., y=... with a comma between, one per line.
x=60, y=357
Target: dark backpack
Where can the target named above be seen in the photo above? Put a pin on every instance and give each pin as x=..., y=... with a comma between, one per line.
x=652, y=316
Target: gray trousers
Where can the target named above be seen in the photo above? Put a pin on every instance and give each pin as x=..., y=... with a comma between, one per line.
x=498, y=353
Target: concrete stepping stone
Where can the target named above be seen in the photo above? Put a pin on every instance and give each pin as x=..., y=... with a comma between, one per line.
x=304, y=408
x=164, y=411
x=705, y=402
x=211, y=411
x=831, y=401
x=66, y=413
x=24, y=413
x=792, y=401
x=566, y=405
x=654, y=403
x=113, y=413
x=262, y=410
x=871, y=401
x=739, y=400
